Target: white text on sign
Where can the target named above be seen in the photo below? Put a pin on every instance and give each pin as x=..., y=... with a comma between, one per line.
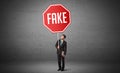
x=56, y=18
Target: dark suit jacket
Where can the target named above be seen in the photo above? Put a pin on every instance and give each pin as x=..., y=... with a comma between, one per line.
x=63, y=47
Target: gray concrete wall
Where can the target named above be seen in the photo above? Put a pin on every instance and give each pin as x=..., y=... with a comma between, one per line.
x=92, y=36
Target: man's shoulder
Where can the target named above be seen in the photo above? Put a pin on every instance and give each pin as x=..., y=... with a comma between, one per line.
x=65, y=41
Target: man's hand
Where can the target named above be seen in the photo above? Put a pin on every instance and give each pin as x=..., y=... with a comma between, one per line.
x=58, y=47
x=63, y=55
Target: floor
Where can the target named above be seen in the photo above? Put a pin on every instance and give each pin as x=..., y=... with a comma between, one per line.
x=51, y=67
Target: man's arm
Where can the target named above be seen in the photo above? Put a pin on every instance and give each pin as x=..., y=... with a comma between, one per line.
x=64, y=49
x=56, y=45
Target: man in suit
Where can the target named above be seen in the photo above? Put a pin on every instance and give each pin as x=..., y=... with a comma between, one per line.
x=61, y=46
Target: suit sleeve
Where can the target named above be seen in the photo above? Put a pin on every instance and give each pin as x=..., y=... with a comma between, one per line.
x=56, y=44
x=65, y=48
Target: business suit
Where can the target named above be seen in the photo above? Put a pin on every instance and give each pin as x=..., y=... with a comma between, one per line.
x=62, y=48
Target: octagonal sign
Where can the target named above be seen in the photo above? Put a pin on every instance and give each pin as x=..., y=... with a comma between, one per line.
x=56, y=18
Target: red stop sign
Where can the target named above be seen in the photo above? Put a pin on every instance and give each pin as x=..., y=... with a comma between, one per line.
x=56, y=18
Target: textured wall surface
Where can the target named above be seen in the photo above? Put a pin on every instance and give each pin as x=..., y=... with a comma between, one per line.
x=94, y=33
